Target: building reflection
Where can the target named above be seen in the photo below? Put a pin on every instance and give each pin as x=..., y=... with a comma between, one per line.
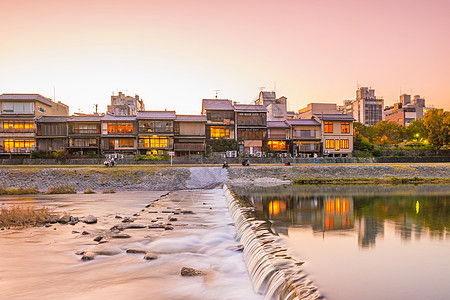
x=367, y=215
x=322, y=213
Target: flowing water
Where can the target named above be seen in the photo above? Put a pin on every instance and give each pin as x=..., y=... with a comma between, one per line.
x=362, y=242
x=40, y=263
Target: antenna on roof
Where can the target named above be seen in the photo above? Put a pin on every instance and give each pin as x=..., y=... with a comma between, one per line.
x=217, y=92
x=275, y=86
x=262, y=88
x=96, y=108
x=54, y=94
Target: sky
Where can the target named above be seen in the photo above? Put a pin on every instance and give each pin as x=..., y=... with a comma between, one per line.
x=174, y=53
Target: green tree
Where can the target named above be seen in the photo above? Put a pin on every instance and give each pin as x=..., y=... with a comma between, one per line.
x=437, y=127
x=389, y=132
x=416, y=130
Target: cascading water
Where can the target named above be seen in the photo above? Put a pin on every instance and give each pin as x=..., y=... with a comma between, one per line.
x=273, y=273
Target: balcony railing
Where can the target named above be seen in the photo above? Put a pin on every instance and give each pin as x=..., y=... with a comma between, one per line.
x=189, y=147
x=12, y=130
x=305, y=134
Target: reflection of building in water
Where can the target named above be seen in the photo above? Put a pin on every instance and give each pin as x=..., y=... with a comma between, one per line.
x=322, y=213
x=369, y=228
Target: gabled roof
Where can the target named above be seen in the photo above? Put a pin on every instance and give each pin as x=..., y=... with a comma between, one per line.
x=302, y=122
x=335, y=117
x=217, y=104
x=35, y=97
x=250, y=108
x=52, y=119
x=109, y=117
x=84, y=119
x=156, y=115
x=277, y=124
x=191, y=118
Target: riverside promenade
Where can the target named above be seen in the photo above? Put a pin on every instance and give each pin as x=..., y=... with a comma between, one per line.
x=182, y=177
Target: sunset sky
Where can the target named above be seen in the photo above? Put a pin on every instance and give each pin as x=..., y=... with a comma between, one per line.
x=174, y=53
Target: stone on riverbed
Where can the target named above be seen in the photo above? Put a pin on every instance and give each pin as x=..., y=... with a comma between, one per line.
x=90, y=219
x=127, y=226
x=64, y=219
x=121, y=236
x=185, y=271
x=136, y=250
x=150, y=256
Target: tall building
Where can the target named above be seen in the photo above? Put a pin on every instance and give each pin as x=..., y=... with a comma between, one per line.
x=122, y=105
x=406, y=110
x=367, y=108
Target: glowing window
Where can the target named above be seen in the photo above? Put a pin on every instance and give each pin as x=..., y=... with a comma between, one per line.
x=344, y=144
x=219, y=132
x=329, y=144
x=345, y=127
x=336, y=145
x=328, y=127
x=277, y=145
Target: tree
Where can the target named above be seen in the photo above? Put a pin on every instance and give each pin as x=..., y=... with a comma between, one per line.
x=437, y=127
x=416, y=130
x=389, y=132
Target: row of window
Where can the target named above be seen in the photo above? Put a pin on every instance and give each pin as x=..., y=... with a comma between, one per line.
x=10, y=145
x=18, y=125
x=328, y=127
x=336, y=144
x=121, y=128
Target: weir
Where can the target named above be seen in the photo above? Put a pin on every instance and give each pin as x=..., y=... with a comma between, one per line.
x=273, y=273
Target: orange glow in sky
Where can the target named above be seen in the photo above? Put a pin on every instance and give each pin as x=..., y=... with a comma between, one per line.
x=174, y=53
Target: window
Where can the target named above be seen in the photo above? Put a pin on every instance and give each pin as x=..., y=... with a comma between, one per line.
x=155, y=142
x=126, y=143
x=220, y=132
x=18, y=126
x=251, y=134
x=85, y=128
x=10, y=145
x=18, y=107
x=328, y=127
x=277, y=145
x=345, y=127
x=336, y=144
x=41, y=109
x=156, y=126
x=344, y=144
x=329, y=144
x=120, y=128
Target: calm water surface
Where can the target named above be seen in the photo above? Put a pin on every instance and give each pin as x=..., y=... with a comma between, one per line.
x=370, y=242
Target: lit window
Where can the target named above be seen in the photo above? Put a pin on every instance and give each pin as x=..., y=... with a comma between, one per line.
x=336, y=145
x=345, y=127
x=344, y=144
x=277, y=145
x=328, y=127
x=329, y=144
x=219, y=131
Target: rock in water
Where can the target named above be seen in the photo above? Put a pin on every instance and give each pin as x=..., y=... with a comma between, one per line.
x=136, y=250
x=150, y=256
x=185, y=271
x=90, y=219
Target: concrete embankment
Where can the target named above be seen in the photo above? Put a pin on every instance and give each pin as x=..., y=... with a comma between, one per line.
x=158, y=178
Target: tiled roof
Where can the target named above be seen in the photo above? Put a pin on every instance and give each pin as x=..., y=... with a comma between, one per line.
x=305, y=122
x=156, y=115
x=35, y=97
x=191, y=118
x=52, y=119
x=250, y=108
x=84, y=119
x=217, y=104
x=277, y=124
x=118, y=118
x=334, y=117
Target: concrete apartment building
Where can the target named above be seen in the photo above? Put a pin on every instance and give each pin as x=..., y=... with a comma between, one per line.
x=276, y=108
x=123, y=105
x=367, y=108
x=317, y=108
x=406, y=110
x=17, y=120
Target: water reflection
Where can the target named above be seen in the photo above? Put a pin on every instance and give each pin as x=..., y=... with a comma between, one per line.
x=365, y=214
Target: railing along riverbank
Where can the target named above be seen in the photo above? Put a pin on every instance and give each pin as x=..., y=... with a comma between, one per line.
x=234, y=160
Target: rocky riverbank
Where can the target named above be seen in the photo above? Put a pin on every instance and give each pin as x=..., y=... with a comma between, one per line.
x=158, y=178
